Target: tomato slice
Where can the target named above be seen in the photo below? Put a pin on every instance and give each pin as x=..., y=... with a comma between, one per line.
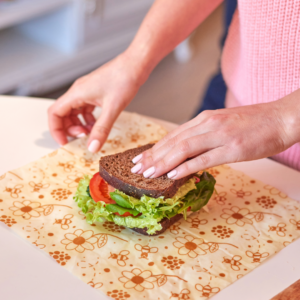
x=127, y=214
x=99, y=190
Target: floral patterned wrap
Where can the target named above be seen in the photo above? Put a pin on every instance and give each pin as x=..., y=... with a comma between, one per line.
x=245, y=223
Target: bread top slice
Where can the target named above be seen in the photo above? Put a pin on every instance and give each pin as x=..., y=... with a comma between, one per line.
x=116, y=171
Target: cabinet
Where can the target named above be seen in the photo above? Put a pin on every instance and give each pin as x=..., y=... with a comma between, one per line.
x=47, y=44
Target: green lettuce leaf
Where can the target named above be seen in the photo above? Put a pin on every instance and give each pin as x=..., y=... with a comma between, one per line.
x=152, y=210
x=120, y=200
x=121, y=210
x=159, y=207
x=139, y=222
x=198, y=198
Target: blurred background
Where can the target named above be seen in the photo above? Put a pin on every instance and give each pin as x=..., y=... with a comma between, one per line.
x=46, y=45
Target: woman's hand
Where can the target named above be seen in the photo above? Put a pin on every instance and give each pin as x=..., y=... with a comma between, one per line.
x=217, y=137
x=111, y=87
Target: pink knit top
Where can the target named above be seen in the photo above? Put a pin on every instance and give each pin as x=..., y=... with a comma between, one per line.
x=261, y=57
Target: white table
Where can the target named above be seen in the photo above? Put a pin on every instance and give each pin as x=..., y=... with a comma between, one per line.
x=28, y=273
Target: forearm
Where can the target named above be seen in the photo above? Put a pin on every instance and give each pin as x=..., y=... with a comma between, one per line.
x=167, y=24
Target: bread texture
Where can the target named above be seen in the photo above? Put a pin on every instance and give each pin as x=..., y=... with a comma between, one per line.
x=116, y=171
x=165, y=223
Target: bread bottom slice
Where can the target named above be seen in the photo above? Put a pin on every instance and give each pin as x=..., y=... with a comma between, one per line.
x=165, y=223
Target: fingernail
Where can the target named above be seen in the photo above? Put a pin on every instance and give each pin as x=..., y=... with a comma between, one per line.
x=136, y=168
x=137, y=158
x=80, y=135
x=149, y=172
x=172, y=174
x=94, y=146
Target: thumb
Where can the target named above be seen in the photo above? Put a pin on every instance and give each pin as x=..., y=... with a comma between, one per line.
x=102, y=128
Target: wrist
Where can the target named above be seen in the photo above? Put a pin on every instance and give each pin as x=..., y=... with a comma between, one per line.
x=289, y=107
x=140, y=61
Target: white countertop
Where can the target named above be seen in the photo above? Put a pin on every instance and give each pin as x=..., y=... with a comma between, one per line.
x=23, y=123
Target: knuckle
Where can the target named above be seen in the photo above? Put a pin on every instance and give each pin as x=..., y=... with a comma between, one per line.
x=235, y=154
x=203, y=160
x=185, y=169
x=118, y=104
x=205, y=114
x=217, y=119
x=237, y=143
x=162, y=164
x=147, y=153
x=101, y=130
x=184, y=146
x=165, y=139
x=148, y=161
x=239, y=149
x=79, y=81
x=173, y=142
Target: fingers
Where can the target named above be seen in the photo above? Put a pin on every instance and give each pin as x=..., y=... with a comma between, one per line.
x=73, y=125
x=177, y=143
x=89, y=117
x=63, y=118
x=184, y=150
x=57, y=129
x=78, y=129
x=197, y=120
x=166, y=143
x=215, y=157
x=102, y=127
x=171, y=135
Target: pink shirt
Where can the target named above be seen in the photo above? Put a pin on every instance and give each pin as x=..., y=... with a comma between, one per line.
x=261, y=57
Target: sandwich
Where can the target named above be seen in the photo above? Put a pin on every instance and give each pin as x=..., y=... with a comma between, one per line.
x=147, y=206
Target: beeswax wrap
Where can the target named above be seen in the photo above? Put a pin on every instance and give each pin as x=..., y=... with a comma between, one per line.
x=247, y=222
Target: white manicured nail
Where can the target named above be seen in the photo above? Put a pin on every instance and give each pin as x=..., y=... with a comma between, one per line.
x=136, y=168
x=80, y=135
x=137, y=158
x=172, y=174
x=94, y=146
x=149, y=172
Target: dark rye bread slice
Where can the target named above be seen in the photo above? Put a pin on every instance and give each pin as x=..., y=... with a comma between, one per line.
x=116, y=171
x=165, y=223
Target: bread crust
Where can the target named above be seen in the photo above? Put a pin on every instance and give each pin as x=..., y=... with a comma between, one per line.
x=136, y=185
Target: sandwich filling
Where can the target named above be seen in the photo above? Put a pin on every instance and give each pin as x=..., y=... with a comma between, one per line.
x=146, y=212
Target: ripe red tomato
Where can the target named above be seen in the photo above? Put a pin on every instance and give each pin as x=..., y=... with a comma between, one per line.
x=99, y=190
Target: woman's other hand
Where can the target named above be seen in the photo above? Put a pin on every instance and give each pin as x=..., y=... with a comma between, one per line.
x=111, y=87
x=115, y=84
